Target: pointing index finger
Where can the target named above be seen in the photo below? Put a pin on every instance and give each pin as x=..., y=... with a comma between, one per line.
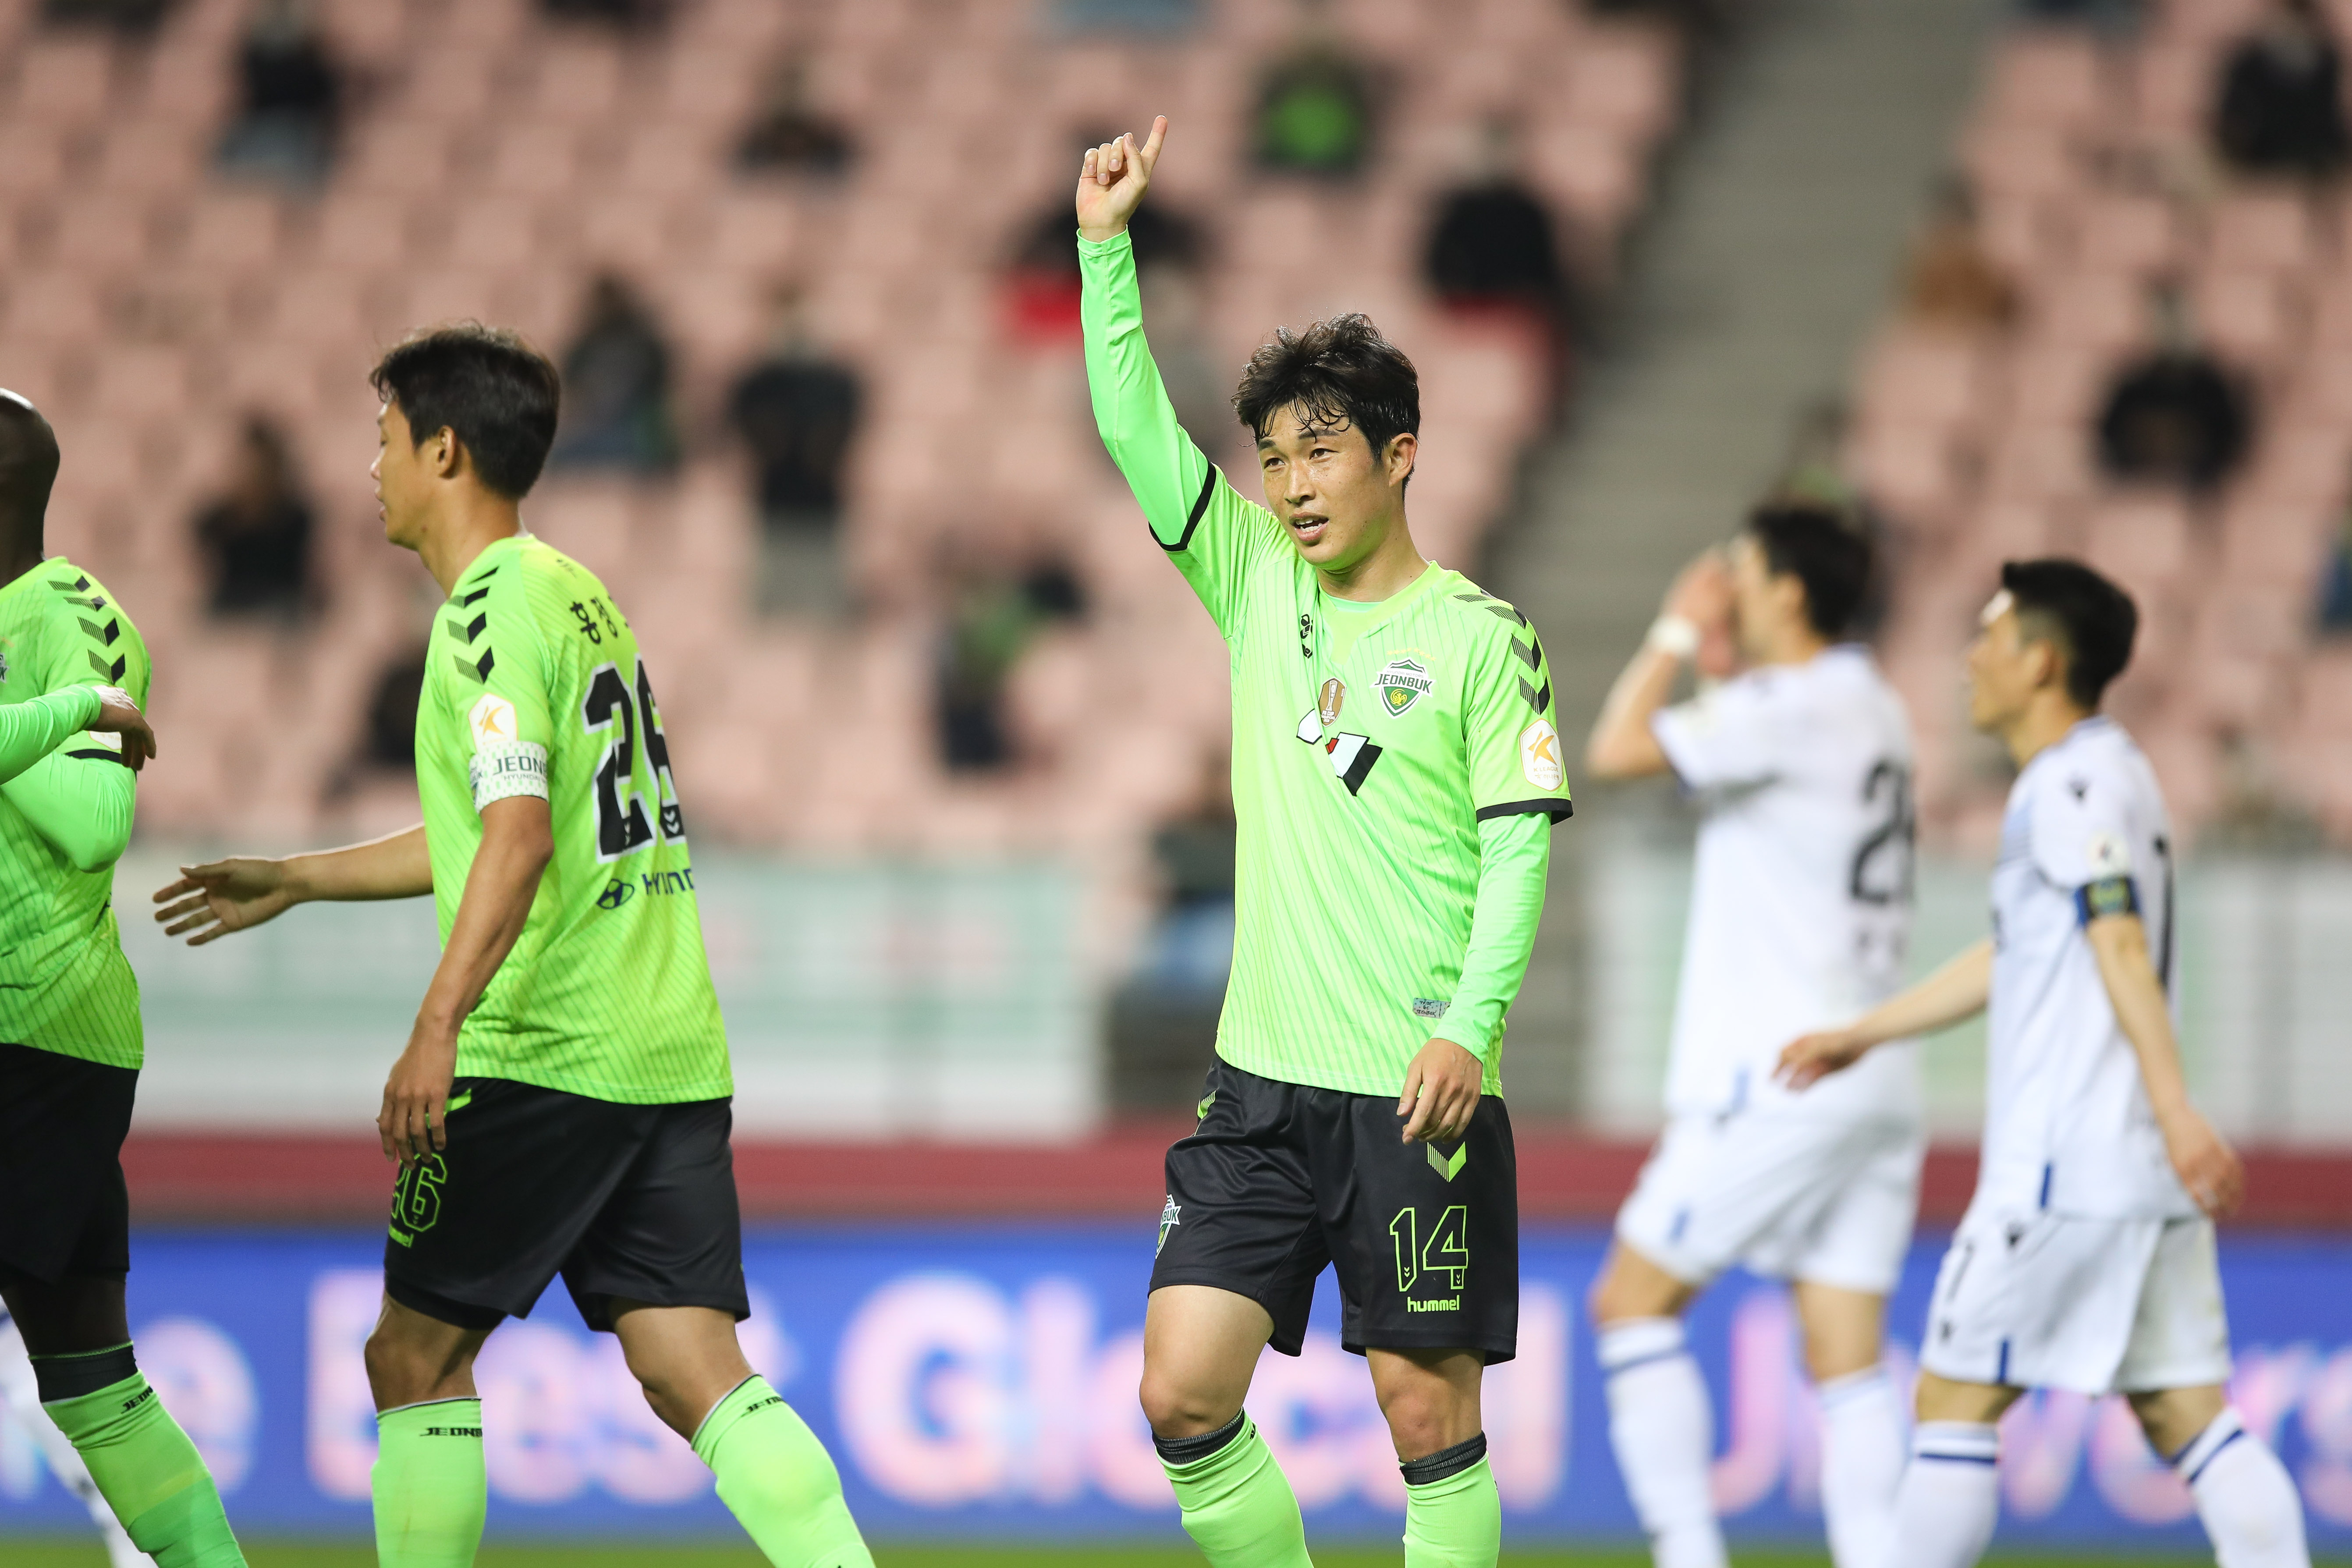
x=1151, y=153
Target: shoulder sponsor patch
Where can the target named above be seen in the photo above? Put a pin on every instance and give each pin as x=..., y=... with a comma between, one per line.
x=492, y=721
x=2108, y=855
x=1400, y=684
x=1539, y=755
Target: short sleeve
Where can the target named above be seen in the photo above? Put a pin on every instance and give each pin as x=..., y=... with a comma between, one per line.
x=1727, y=736
x=2082, y=843
x=1509, y=730
x=501, y=689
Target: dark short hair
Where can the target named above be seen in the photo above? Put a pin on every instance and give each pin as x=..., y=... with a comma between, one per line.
x=1823, y=551
x=29, y=464
x=1338, y=373
x=2091, y=621
x=487, y=384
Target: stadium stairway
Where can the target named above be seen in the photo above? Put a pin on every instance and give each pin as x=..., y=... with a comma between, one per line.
x=1778, y=226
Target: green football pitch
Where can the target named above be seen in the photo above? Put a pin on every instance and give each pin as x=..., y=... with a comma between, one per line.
x=266, y=1555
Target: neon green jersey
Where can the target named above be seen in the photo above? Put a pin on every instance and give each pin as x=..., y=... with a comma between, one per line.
x=1395, y=764
x=65, y=985
x=534, y=685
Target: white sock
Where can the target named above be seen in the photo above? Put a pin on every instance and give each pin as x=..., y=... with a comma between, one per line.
x=2245, y=1497
x=1862, y=1464
x=1950, y=1497
x=1664, y=1434
x=20, y=1397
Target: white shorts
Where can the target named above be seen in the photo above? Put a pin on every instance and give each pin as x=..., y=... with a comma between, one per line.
x=2089, y=1305
x=1815, y=1198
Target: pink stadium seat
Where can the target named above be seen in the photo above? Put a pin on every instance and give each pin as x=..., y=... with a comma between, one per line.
x=64, y=77
x=2128, y=233
x=2049, y=77
x=2270, y=230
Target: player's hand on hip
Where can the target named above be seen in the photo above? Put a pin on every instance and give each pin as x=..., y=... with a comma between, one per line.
x=1441, y=1091
x=1810, y=1058
x=1112, y=181
x=223, y=896
x=2205, y=1163
x=119, y=715
x=413, y=1120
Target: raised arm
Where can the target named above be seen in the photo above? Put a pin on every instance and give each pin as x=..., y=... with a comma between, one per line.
x=1211, y=533
x=1953, y=993
x=1697, y=608
x=2207, y=1165
x=223, y=896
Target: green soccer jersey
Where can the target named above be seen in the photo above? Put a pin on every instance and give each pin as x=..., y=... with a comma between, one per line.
x=535, y=685
x=65, y=985
x=1387, y=759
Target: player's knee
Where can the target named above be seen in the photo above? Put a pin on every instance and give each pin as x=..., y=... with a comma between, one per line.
x=1422, y=1422
x=1177, y=1410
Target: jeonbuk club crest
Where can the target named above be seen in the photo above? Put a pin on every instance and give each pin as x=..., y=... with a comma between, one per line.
x=1401, y=686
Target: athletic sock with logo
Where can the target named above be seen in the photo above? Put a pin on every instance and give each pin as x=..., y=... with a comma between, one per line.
x=1664, y=1434
x=778, y=1480
x=431, y=1490
x=2246, y=1499
x=1862, y=1464
x=144, y=1466
x=1950, y=1497
x=1452, y=1515
x=1238, y=1508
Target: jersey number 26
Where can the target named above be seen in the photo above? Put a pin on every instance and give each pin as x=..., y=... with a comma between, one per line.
x=612, y=708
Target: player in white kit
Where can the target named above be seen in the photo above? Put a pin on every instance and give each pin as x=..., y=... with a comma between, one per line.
x=1801, y=907
x=20, y=1399
x=2086, y=1260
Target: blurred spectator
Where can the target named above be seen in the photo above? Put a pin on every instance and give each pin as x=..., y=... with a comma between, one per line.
x=1042, y=285
x=2116, y=16
x=131, y=15
x=622, y=13
x=796, y=410
x=1315, y=106
x=2282, y=100
x=256, y=538
x=1164, y=1019
x=616, y=411
x=2335, y=581
x=1948, y=281
x=992, y=616
x=387, y=738
x=292, y=89
x=2174, y=417
x=1492, y=247
x=788, y=135
x=1161, y=19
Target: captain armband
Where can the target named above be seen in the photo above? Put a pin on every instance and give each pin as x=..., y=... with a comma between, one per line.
x=502, y=768
x=2107, y=895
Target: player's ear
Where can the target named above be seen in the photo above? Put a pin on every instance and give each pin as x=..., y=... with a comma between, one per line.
x=448, y=454
x=1404, y=451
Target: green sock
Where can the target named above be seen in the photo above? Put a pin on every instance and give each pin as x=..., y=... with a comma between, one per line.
x=431, y=1490
x=1455, y=1521
x=146, y=1467
x=778, y=1480
x=1238, y=1509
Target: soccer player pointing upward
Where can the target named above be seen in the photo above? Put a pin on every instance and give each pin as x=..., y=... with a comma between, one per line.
x=1396, y=774
x=563, y=1105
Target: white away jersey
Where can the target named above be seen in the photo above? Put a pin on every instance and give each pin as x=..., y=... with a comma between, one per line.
x=2067, y=1123
x=1800, y=904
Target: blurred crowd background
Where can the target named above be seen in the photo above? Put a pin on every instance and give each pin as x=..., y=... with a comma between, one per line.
x=807, y=267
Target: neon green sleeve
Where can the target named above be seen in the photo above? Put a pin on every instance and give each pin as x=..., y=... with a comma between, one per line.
x=31, y=729
x=1515, y=858
x=1215, y=537
x=81, y=802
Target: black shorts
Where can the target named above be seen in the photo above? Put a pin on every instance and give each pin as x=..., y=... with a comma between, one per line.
x=1280, y=1179
x=62, y=1123
x=632, y=1200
